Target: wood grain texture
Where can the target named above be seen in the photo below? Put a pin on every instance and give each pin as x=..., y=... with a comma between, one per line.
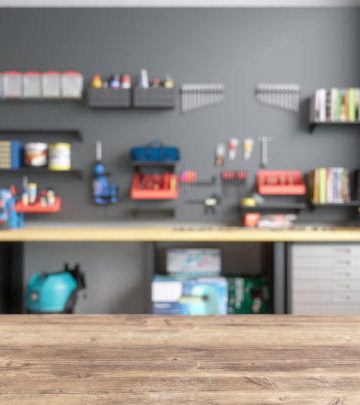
x=156, y=234
x=179, y=360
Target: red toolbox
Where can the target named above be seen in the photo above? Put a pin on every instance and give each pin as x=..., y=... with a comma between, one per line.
x=154, y=186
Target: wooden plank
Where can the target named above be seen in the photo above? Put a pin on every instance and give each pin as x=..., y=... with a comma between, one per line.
x=183, y=360
x=156, y=234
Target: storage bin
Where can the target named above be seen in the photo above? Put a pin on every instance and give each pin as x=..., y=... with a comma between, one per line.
x=31, y=85
x=109, y=98
x=72, y=84
x=12, y=84
x=51, y=84
x=168, y=191
x=280, y=182
x=156, y=97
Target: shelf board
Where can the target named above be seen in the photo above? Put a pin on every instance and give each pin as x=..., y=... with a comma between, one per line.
x=41, y=171
x=153, y=164
x=315, y=124
x=348, y=204
x=275, y=207
x=42, y=133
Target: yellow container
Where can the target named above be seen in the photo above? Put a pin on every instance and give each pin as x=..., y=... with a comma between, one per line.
x=60, y=156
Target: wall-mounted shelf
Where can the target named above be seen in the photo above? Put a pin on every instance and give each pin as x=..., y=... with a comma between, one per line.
x=34, y=171
x=349, y=204
x=39, y=209
x=153, y=164
x=291, y=207
x=314, y=125
x=43, y=133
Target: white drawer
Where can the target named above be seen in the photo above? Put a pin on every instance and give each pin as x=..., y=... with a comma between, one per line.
x=325, y=273
x=320, y=309
x=327, y=261
x=338, y=250
x=326, y=297
x=326, y=285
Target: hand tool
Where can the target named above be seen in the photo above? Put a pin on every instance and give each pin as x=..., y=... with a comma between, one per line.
x=264, y=150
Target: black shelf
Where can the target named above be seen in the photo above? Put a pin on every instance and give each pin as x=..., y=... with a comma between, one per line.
x=44, y=132
x=295, y=207
x=349, y=204
x=153, y=164
x=315, y=124
x=41, y=171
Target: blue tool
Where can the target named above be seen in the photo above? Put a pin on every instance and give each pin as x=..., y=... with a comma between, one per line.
x=55, y=292
x=104, y=192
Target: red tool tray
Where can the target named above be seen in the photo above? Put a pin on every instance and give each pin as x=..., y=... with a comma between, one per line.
x=166, y=193
x=280, y=182
x=37, y=208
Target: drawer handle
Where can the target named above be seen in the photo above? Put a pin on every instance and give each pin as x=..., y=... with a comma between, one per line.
x=342, y=298
x=343, y=262
x=342, y=287
x=342, y=250
x=340, y=274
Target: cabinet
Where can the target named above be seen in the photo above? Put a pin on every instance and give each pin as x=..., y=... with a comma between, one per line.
x=324, y=279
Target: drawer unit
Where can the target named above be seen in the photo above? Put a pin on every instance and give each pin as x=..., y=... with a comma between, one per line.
x=325, y=279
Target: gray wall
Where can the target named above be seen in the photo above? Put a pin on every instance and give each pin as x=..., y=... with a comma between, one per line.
x=315, y=47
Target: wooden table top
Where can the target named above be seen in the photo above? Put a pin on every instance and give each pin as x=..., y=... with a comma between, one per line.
x=111, y=233
x=140, y=360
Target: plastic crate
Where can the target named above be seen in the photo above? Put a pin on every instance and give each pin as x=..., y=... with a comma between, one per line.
x=280, y=182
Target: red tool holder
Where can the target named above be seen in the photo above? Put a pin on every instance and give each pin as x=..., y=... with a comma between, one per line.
x=280, y=182
x=37, y=208
x=154, y=187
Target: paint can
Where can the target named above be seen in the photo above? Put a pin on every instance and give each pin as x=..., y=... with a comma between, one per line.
x=60, y=156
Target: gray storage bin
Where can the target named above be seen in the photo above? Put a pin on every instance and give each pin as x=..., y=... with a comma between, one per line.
x=156, y=97
x=109, y=98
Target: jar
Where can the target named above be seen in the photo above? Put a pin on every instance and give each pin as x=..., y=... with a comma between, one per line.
x=36, y=154
x=60, y=156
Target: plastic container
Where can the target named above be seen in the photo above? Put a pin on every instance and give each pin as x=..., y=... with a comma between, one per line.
x=36, y=154
x=12, y=84
x=72, y=84
x=51, y=84
x=37, y=208
x=31, y=85
x=60, y=156
x=280, y=182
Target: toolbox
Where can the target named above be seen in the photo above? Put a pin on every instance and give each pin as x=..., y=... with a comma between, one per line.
x=154, y=187
x=155, y=152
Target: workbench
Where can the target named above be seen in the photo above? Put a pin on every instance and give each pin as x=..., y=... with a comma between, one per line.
x=148, y=360
x=176, y=233
x=12, y=247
